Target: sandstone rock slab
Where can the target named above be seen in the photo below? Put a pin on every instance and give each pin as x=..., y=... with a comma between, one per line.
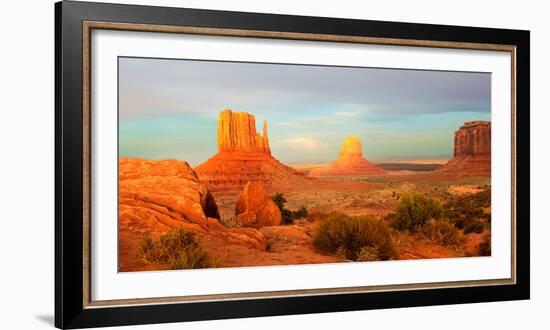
x=255, y=208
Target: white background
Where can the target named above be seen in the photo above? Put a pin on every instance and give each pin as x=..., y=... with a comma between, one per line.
x=26, y=164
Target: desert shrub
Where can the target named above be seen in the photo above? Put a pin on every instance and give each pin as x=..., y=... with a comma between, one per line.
x=484, y=248
x=177, y=249
x=413, y=212
x=337, y=232
x=288, y=216
x=300, y=213
x=368, y=253
x=466, y=211
x=469, y=225
x=441, y=232
x=146, y=243
x=474, y=226
x=402, y=239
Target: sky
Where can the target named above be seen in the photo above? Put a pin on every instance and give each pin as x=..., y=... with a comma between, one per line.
x=168, y=108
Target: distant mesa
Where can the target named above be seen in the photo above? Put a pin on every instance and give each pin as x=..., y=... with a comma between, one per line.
x=350, y=161
x=472, y=149
x=244, y=155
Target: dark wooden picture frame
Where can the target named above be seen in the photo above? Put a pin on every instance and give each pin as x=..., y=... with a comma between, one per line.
x=73, y=24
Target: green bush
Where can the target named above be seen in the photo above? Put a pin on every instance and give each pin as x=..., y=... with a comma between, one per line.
x=177, y=249
x=414, y=212
x=351, y=235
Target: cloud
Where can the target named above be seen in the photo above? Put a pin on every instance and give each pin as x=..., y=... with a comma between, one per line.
x=346, y=114
x=331, y=119
x=303, y=144
x=152, y=87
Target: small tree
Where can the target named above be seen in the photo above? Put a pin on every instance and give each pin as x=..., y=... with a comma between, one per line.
x=287, y=215
x=279, y=200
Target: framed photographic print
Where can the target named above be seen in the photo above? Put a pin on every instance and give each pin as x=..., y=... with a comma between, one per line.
x=214, y=164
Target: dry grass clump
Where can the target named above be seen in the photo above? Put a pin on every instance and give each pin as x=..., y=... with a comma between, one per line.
x=354, y=238
x=441, y=232
x=314, y=216
x=230, y=222
x=177, y=249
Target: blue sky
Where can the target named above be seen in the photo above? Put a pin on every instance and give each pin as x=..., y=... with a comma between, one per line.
x=169, y=108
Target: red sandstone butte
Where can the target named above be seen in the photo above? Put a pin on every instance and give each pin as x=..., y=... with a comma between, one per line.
x=350, y=161
x=243, y=155
x=472, y=149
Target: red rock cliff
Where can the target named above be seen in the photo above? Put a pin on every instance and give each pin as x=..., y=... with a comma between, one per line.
x=473, y=138
x=472, y=150
x=237, y=133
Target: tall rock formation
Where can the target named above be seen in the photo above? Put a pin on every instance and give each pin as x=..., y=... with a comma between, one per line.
x=472, y=149
x=244, y=156
x=350, y=161
x=237, y=133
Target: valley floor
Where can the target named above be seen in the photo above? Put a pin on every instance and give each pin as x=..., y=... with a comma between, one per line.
x=375, y=196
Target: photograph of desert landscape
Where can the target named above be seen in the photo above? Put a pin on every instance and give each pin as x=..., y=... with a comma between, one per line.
x=235, y=164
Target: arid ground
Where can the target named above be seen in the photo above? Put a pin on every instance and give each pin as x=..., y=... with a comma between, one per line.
x=377, y=197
